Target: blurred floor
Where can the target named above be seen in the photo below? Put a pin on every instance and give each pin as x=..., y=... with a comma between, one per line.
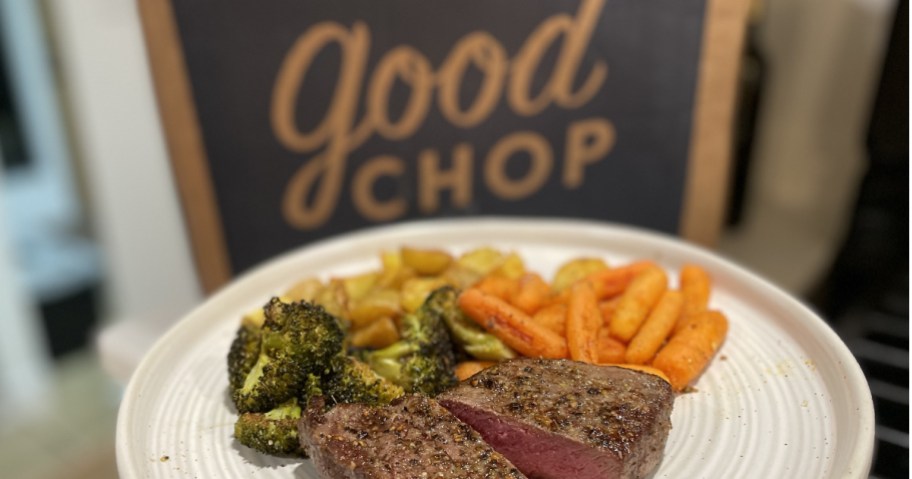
x=75, y=437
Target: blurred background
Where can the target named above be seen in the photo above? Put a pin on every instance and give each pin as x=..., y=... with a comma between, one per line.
x=94, y=255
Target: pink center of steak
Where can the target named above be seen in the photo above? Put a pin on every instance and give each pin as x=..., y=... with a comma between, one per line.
x=558, y=419
x=540, y=455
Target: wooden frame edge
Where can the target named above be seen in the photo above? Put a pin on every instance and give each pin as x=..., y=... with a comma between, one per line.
x=709, y=158
x=185, y=143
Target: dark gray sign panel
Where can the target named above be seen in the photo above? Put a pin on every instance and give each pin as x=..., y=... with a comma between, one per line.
x=312, y=118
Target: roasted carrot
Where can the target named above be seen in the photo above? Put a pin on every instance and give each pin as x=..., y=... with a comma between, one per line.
x=609, y=283
x=531, y=294
x=511, y=325
x=553, y=317
x=656, y=328
x=583, y=323
x=689, y=350
x=695, y=285
x=607, y=308
x=610, y=350
x=499, y=286
x=636, y=302
x=467, y=369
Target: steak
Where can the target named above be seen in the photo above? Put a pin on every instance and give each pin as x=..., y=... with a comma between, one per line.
x=559, y=419
x=414, y=437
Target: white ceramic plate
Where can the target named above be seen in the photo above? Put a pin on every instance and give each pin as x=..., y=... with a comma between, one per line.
x=783, y=398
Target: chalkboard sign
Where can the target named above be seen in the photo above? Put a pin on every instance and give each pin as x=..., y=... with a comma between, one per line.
x=293, y=120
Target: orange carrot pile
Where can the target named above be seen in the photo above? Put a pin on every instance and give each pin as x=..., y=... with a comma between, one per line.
x=512, y=326
x=625, y=316
x=688, y=352
x=584, y=320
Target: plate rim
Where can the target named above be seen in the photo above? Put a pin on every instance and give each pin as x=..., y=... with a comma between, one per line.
x=860, y=461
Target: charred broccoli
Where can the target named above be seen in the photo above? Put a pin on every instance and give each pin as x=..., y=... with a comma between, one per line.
x=273, y=432
x=293, y=352
x=243, y=355
x=276, y=431
x=466, y=333
x=296, y=339
x=423, y=360
x=352, y=381
x=347, y=381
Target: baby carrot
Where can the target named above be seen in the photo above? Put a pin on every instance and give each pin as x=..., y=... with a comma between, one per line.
x=636, y=302
x=609, y=283
x=553, y=317
x=583, y=323
x=607, y=308
x=531, y=294
x=512, y=326
x=655, y=329
x=695, y=286
x=499, y=286
x=689, y=350
x=610, y=350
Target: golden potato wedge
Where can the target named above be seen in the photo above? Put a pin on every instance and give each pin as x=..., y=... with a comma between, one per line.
x=427, y=262
x=394, y=271
x=254, y=318
x=460, y=276
x=512, y=267
x=334, y=299
x=377, y=304
x=378, y=334
x=575, y=270
x=356, y=287
x=391, y=260
x=416, y=290
x=482, y=260
x=305, y=290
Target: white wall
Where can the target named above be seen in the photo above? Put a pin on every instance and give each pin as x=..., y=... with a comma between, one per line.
x=149, y=273
x=150, y=281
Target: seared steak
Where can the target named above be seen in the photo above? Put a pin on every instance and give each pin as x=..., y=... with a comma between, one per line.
x=411, y=438
x=564, y=419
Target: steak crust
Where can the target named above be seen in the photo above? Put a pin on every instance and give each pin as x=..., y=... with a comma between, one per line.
x=414, y=437
x=559, y=419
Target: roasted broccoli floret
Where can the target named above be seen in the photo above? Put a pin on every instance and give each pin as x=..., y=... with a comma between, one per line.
x=274, y=432
x=243, y=355
x=423, y=360
x=352, y=381
x=297, y=339
x=466, y=333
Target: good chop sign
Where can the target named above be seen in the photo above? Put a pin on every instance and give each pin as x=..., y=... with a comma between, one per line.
x=292, y=120
x=504, y=79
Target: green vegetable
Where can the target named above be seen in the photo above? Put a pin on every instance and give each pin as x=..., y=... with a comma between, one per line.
x=423, y=360
x=352, y=381
x=296, y=340
x=274, y=432
x=468, y=335
x=243, y=355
